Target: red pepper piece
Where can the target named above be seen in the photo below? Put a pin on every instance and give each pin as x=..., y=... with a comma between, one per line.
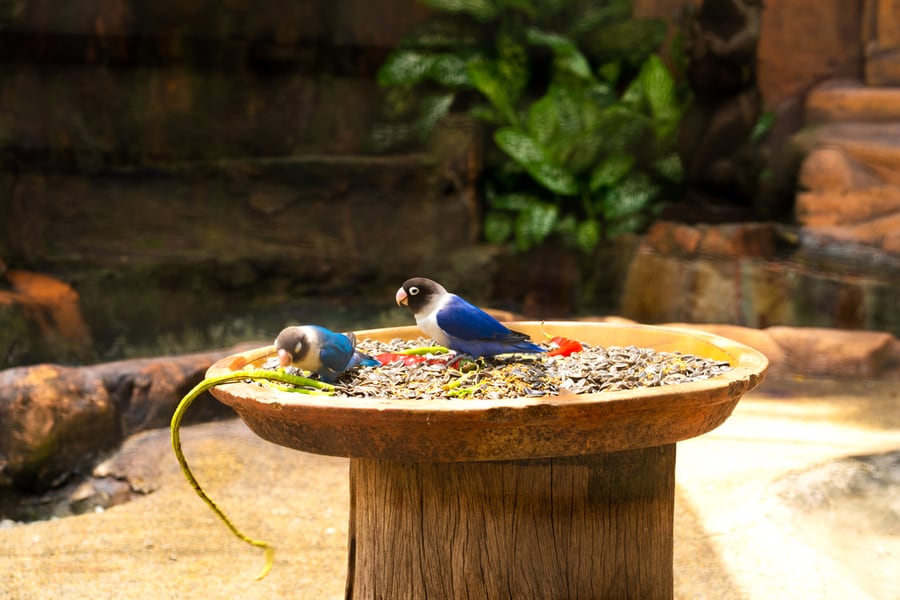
x=410, y=359
x=561, y=346
x=407, y=359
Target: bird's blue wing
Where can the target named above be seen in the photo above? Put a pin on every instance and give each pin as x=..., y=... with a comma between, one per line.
x=459, y=319
x=336, y=349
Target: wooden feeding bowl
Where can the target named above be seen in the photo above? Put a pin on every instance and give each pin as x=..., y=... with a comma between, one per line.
x=552, y=497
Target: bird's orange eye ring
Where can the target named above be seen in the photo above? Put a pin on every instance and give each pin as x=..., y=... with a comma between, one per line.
x=413, y=291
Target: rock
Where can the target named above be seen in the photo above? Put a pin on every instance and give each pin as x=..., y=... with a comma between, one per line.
x=146, y=391
x=53, y=420
x=850, y=100
x=851, y=173
x=821, y=352
x=721, y=164
x=891, y=242
x=829, y=46
x=142, y=85
x=875, y=146
x=42, y=315
x=847, y=207
x=742, y=239
x=881, y=41
x=56, y=421
x=830, y=170
x=877, y=232
x=814, y=351
x=759, y=276
x=668, y=237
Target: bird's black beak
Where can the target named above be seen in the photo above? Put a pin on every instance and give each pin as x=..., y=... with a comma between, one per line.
x=401, y=297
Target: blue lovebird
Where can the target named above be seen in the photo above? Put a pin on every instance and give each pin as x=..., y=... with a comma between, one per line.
x=458, y=325
x=319, y=350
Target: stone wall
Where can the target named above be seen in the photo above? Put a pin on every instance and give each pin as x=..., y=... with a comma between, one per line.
x=178, y=166
x=760, y=275
x=174, y=163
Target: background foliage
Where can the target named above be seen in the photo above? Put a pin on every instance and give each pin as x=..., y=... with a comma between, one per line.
x=580, y=107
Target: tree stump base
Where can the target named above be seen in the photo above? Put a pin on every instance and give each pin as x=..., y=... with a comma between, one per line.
x=597, y=526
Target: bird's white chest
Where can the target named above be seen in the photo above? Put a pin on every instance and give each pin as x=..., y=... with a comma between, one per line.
x=428, y=323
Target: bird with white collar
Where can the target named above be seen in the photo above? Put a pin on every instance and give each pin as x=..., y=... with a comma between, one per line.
x=457, y=324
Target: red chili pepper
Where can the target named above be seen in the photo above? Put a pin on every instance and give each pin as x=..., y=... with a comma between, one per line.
x=407, y=359
x=561, y=346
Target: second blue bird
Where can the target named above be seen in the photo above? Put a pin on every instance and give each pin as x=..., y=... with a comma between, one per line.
x=319, y=350
x=458, y=325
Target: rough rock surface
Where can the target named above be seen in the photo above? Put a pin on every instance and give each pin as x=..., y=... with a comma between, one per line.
x=56, y=421
x=850, y=182
x=759, y=275
x=40, y=314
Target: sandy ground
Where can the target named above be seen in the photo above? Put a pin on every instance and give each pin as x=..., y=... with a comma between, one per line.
x=736, y=536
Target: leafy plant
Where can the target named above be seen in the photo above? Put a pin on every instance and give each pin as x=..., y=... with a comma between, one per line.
x=580, y=107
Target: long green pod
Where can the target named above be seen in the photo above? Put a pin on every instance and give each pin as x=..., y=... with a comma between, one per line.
x=313, y=387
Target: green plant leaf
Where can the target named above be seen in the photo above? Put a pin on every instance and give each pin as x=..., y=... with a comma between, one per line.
x=487, y=114
x=433, y=108
x=526, y=151
x=632, y=195
x=587, y=235
x=659, y=90
x=610, y=170
x=384, y=136
x=591, y=15
x=535, y=223
x=565, y=122
x=442, y=32
x=568, y=57
x=512, y=202
x=404, y=67
x=624, y=130
x=629, y=40
x=632, y=223
x=449, y=70
x=498, y=226
x=486, y=80
x=512, y=62
x=763, y=125
x=633, y=97
x=483, y=10
x=610, y=71
x=670, y=167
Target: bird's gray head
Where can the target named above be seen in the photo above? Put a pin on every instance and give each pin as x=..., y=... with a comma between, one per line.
x=419, y=293
x=292, y=345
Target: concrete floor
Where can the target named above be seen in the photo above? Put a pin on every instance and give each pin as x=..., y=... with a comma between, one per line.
x=749, y=522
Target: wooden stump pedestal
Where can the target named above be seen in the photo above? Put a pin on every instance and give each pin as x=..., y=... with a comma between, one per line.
x=554, y=497
x=596, y=526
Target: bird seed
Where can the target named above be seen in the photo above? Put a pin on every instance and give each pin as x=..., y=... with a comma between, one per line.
x=591, y=370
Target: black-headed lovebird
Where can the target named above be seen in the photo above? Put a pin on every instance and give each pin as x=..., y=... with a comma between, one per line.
x=458, y=325
x=319, y=350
